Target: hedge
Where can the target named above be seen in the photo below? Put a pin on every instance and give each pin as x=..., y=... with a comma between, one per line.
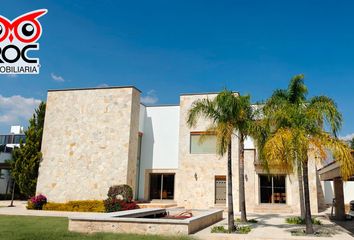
x=76, y=206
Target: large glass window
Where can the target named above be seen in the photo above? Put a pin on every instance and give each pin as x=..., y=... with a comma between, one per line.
x=272, y=189
x=19, y=138
x=162, y=186
x=203, y=143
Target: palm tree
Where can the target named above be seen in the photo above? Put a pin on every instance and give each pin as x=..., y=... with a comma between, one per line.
x=228, y=113
x=296, y=129
x=295, y=96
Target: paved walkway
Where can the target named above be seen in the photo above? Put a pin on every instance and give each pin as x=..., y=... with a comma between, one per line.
x=273, y=226
x=269, y=226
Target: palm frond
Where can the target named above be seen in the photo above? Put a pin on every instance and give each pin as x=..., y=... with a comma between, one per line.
x=323, y=108
x=279, y=150
x=297, y=90
x=341, y=153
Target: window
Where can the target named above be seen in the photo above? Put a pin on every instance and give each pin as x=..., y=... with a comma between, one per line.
x=19, y=138
x=206, y=145
x=162, y=185
x=140, y=138
x=272, y=189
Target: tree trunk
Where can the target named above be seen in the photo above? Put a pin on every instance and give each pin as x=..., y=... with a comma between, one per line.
x=242, y=179
x=230, y=212
x=301, y=188
x=308, y=219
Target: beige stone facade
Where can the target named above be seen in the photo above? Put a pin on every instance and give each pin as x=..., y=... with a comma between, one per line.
x=195, y=180
x=89, y=142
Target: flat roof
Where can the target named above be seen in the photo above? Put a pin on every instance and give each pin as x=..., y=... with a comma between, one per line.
x=92, y=88
x=203, y=93
x=161, y=105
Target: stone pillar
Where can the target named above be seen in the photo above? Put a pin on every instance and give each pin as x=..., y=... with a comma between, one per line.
x=339, y=195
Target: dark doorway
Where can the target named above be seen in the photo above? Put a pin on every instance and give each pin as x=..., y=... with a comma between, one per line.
x=272, y=189
x=162, y=186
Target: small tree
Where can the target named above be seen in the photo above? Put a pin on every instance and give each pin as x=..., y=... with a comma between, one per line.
x=26, y=158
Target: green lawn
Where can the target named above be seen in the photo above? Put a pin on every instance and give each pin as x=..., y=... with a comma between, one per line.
x=56, y=228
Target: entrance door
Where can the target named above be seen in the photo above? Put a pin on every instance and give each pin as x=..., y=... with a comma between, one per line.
x=162, y=186
x=220, y=189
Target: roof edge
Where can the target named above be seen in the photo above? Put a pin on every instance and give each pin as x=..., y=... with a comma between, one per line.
x=92, y=88
x=204, y=93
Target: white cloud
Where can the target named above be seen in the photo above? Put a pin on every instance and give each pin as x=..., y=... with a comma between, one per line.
x=15, y=109
x=103, y=85
x=347, y=137
x=57, y=78
x=150, y=98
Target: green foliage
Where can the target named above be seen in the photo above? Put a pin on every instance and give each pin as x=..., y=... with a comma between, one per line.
x=228, y=112
x=239, y=229
x=56, y=228
x=124, y=190
x=352, y=144
x=243, y=229
x=219, y=229
x=112, y=205
x=301, y=221
x=120, y=199
x=25, y=163
x=292, y=123
x=292, y=128
x=76, y=206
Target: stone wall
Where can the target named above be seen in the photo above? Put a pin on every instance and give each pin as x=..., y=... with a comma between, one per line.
x=195, y=179
x=89, y=142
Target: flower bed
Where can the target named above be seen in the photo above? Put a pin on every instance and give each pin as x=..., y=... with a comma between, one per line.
x=76, y=206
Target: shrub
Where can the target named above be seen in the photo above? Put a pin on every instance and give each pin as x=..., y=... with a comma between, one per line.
x=301, y=221
x=36, y=202
x=219, y=229
x=125, y=191
x=76, y=206
x=120, y=199
x=114, y=205
x=243, y=229
x=128, y=205
x=239, y=229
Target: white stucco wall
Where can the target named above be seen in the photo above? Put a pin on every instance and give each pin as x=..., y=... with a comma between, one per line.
x=141, y=117
x=249, y=144
x=159, y=149
x=328, y=189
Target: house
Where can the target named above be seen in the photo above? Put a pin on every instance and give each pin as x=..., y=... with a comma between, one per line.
x=7, y=143
x=335, y=189
x=97, y=137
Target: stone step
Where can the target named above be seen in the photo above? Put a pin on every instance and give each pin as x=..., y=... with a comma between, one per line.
x=272, y=208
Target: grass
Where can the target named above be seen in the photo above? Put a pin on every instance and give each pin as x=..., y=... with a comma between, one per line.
x=239, y=229
x=321, y=233
x=301, y=221
x=56, y=228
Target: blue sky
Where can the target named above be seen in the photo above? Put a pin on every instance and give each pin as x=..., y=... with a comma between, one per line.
x=166, y=48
